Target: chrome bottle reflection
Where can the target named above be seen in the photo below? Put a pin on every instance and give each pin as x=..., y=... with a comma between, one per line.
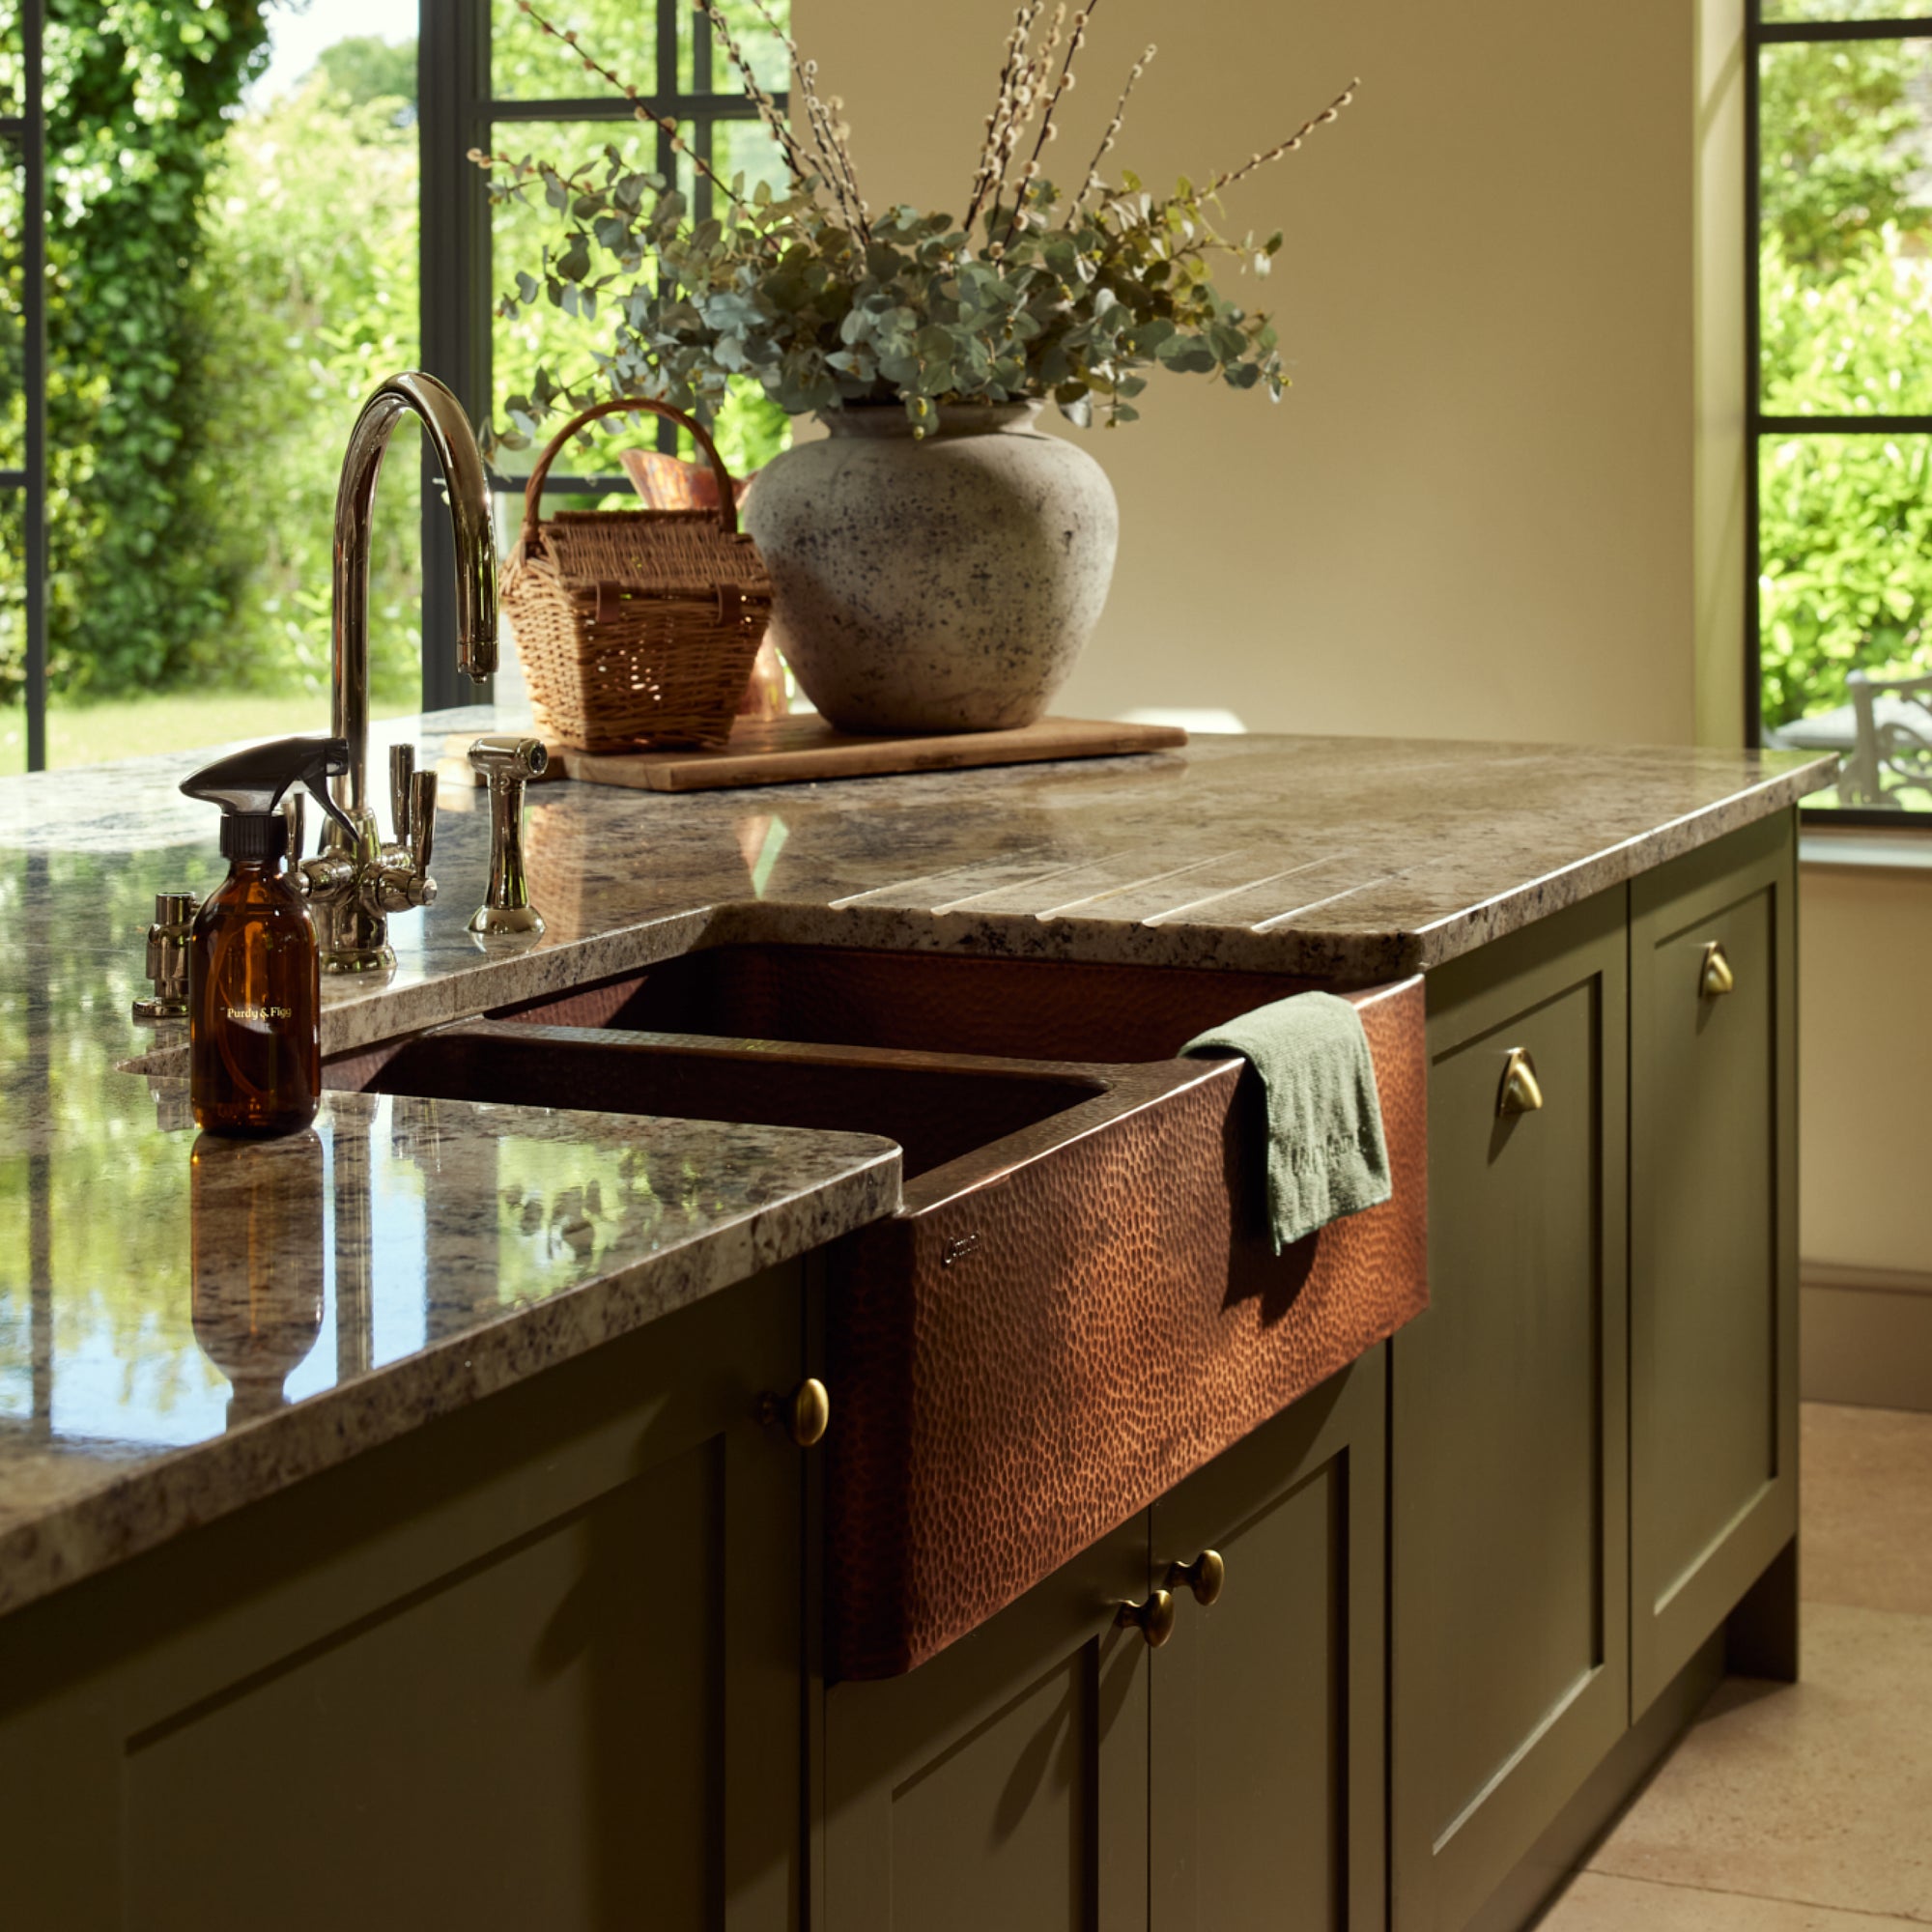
x=256, y=1218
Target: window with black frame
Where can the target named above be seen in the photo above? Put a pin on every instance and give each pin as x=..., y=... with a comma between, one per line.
x=541, y=104
x=1841, y=402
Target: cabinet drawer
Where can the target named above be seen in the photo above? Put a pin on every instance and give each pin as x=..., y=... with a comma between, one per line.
x=1509, y=1676
x=1714, y=1490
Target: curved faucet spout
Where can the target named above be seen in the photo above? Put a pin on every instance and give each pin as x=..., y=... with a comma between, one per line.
x=414, y=393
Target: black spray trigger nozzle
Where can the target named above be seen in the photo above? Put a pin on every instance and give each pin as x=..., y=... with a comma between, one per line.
x=252, y=783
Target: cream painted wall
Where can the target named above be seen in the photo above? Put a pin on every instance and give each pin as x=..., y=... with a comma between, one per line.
x=1497, y=499
x=1865, y=1076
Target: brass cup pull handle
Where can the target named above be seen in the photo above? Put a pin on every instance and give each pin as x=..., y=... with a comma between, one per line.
x=1154, y=1619
x=805, y=1414
x=1207, y=1576
x=1521, y=1091
x=1715, y=976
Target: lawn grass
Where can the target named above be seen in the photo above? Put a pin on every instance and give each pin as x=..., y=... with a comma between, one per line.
x=175, y=722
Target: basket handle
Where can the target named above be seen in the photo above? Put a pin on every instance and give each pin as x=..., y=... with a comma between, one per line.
x=728, y=495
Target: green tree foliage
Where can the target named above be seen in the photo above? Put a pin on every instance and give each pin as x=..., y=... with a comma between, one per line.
x=310, y=287
x=1845, y=562
x=567, y=346
x=367, y=69
x=139, y=93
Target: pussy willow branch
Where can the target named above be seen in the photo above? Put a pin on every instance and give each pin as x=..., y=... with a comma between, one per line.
x=826, y=136
x=1012, y=75
x=679, y=145
x=1112, y=130
x=796, y=165
x=1331, y=113
x=829, y=138
x=1048, y=130
x=1028, y=94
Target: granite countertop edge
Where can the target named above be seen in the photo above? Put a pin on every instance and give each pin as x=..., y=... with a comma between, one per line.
x=125, y=1515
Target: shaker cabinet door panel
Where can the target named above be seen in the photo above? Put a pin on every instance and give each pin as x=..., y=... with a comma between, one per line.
x=1509, y=1673
x=528, y=1666
x=1003, y=1783
x=1267, y=1705
x=1713, y=1241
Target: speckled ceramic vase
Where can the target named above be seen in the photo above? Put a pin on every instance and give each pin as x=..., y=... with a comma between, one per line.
x=944, y=583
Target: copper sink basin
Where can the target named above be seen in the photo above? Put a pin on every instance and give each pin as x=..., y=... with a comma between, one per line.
x=1076, y=1304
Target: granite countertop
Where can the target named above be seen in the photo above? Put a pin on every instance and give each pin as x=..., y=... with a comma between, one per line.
x=442, y=1250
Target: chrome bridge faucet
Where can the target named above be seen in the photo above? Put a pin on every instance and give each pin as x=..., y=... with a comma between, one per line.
x=354, y=886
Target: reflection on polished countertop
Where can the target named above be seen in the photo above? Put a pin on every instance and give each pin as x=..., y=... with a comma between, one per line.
x=185, y=1327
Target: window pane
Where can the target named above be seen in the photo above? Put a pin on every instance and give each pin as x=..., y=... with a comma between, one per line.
x=1845, y=585
x=760, y=45
x=1846, y=242
x=747, y=147
x=12, y=72
x=526, y=64
x=13, y=326
x=1842, y=10
x=542, y=335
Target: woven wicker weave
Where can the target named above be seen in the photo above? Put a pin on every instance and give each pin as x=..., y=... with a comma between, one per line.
x=636, y=627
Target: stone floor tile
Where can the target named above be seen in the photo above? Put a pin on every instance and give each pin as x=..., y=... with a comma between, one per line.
x=1867, y=1508
x=1596, y=1902
x=1818, y=1792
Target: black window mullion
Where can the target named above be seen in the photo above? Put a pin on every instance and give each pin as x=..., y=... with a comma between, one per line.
x=33, y=373
x=1906, y=27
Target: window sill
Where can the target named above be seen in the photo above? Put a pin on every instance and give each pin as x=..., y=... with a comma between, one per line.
x=1908, y=850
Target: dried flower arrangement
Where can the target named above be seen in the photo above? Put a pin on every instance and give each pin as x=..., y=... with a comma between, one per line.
x=826, y=303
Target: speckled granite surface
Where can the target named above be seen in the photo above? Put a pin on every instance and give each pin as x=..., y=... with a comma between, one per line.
x=421, y=1278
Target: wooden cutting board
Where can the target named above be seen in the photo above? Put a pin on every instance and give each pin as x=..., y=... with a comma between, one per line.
x=796, y=750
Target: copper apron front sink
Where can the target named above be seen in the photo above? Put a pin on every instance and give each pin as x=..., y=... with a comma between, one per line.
x=1077, y=1303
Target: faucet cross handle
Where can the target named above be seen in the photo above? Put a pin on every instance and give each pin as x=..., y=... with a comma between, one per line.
x=404, y=881
x=402, y=801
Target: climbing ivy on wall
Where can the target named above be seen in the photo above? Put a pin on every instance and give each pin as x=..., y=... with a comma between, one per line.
x=140, y=94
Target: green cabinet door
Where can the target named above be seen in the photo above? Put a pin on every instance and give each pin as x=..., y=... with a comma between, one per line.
x=539, y=1665
x=1714, y=1306
x=1509, y=1641
x=1267, y=1777
x=1004, y=1782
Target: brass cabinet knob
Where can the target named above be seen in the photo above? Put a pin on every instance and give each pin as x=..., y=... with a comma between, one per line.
x=805, y=1413
x=1521, y=1091
x=1715, y=976
x=1154, y=1619
x=1205, y=1576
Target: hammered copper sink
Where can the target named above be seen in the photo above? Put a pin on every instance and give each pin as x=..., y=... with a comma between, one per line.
x=1076, y=1304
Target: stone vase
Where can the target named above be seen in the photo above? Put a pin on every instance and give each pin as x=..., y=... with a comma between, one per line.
x=943, y=583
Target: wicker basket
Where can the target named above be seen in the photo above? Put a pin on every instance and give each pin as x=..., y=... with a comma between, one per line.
x=636, y=627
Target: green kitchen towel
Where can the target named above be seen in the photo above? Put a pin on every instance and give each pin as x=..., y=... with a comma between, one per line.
x=1326, y=1156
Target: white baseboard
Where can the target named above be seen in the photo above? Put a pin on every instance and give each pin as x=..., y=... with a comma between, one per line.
x=1866, y=1336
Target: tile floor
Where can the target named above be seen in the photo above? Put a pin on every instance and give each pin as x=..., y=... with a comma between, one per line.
x=1805, y=1807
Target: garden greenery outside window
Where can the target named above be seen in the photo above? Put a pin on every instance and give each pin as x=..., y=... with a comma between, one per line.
x=543, y=103
x=232, y=230
x=1843, y=395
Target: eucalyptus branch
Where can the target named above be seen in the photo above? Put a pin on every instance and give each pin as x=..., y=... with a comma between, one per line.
x=1332, y=112
x=679, y=145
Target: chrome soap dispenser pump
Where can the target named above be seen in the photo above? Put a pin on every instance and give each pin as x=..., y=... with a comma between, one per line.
x=254, y=972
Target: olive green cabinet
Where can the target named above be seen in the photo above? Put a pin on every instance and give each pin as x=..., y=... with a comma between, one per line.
x=1509, y=1655
x=1267, y=1759
x=1593, y=1427
x=537, y=1665
x=1714, y=1303
x=1055, y=1771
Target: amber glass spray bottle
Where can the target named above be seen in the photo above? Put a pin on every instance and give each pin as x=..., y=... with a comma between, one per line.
x=254, y=974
